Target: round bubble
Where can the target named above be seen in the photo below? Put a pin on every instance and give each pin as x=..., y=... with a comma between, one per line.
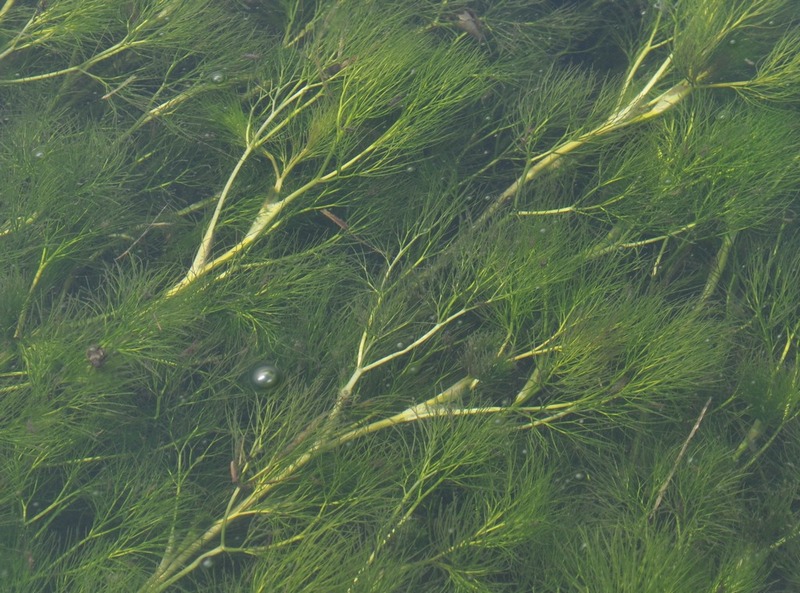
x=265, y=376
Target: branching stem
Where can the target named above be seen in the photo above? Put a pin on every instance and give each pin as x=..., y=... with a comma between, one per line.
x=626, y=116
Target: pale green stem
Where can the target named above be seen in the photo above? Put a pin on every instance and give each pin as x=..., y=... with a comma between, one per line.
x=13, y=45
x=618, y=120
x=103, y=55
x=205, y=246
x=6, y=7
x=716, y=269
x=610, y=246
x=43, y=262
x=645, y=51
x=267, y=214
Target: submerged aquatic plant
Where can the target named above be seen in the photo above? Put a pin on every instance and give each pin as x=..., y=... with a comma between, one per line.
x=399, y=296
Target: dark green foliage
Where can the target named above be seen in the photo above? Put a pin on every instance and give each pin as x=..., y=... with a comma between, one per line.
x=525, y=272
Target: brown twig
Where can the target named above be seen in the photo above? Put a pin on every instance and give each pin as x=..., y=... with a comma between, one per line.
x=140, y=237
x=346, y=228
x=665, y=485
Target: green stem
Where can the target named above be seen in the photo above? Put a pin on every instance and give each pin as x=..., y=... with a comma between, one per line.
x=716, y=269
x=6, y=7
x=622, y=118
x=27, y=304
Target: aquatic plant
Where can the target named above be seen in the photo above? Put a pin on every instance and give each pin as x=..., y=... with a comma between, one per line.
x=399, y=296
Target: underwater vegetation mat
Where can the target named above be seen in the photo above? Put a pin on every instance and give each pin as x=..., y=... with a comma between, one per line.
x=399, y=296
